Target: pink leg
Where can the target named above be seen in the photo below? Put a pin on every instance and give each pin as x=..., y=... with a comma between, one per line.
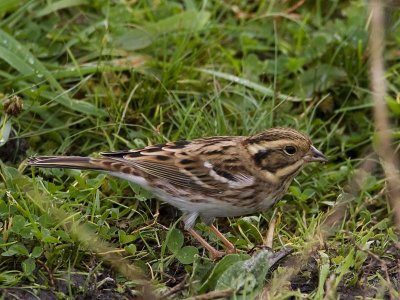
x=231, y=248
x=214, y=252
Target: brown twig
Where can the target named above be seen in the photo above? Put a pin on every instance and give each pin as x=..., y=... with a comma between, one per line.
x=295, y=6
x=384, y=149
x=49, y=273
x=177, y=288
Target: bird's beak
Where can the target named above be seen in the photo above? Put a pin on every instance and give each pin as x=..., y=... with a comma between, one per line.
x=315, y=155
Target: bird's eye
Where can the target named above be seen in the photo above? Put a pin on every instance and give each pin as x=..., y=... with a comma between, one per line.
x=290, y=150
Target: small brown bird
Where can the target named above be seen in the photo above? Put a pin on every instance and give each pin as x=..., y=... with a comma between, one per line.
x=221, y=176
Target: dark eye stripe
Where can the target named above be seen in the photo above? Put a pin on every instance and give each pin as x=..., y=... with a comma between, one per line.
x=261, y=155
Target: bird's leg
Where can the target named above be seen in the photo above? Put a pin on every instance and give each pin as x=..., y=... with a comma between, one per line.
x=214, y=252
x=190, y=219
x=231, y=248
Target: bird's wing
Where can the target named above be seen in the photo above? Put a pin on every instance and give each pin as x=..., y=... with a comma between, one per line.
x=180, y=166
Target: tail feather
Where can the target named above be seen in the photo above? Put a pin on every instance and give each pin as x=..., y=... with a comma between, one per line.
x=69, y=162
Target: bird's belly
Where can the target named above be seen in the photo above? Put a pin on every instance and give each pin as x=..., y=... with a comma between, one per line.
x=233, y=208
x=230, y=206
x=224, y=211
x=211, y=207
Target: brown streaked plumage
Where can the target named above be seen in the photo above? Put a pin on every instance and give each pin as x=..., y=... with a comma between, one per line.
x=222, y=176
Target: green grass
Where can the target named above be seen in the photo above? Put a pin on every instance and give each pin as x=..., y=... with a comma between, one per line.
x=106, y=75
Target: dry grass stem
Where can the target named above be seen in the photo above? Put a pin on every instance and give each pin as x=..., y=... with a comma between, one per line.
x=387, y=155
x=270, y=233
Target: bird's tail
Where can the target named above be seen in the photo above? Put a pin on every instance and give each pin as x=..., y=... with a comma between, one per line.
x=71, y=162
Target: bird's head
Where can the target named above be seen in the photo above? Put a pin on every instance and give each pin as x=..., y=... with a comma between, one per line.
x=281, y=152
